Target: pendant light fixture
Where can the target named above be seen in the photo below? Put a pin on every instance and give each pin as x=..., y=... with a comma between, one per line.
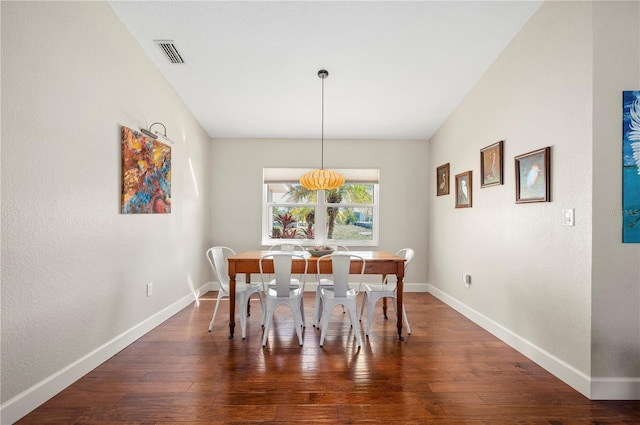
x=322, y=179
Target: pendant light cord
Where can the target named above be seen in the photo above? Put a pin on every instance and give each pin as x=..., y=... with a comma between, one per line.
x=321, y=179
x=322, y=125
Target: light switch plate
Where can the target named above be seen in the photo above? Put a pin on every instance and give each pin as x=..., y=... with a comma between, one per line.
x=569, y=217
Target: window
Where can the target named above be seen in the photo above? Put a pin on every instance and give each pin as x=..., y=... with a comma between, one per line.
x=347, y=215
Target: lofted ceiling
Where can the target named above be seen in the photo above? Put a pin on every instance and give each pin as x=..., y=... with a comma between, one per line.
x=396, y=69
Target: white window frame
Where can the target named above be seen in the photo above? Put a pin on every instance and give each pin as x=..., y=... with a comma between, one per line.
x=290, y=175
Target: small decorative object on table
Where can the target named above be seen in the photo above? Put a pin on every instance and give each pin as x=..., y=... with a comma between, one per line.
x=319, y=251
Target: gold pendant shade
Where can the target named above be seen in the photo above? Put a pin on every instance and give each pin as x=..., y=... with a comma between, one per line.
x=322, y=180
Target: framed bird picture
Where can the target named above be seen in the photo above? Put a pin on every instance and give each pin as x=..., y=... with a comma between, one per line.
x=442, y=180
x=463, y=189
x=533, y=176
x=491, y=160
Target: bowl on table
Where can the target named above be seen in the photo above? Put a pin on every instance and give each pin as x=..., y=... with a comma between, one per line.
x=319, y=251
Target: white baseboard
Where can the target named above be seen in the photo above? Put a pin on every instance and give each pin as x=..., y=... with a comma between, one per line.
x=592, y=388
x=615, y=389
x=20, y=405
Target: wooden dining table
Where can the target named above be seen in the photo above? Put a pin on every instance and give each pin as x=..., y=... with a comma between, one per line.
x=376, y=263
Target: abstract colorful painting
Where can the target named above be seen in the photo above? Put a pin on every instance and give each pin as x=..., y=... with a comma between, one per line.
x=146, y=174
x=631, y=167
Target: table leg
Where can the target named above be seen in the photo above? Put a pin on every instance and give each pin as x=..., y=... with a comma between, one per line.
x=248, y=280
x=384, y=300
x=232, y=304
x=399, y=292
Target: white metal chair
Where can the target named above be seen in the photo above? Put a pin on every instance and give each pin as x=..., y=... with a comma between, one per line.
x=340, y=293
x=324, y=282
x=283, y=291
x=376, y=291
x=217, y=257
x=290, y=248
x=287, y=247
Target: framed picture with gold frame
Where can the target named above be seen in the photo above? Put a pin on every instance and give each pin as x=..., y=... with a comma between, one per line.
x=491, y=165
x=442, y=180
x=464, y=189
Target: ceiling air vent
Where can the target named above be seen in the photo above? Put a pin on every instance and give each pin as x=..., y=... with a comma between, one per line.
x=170, y=51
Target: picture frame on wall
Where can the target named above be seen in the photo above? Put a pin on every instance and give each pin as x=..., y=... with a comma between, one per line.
x=631, y=166
x=533, y=176
x=492, y=165
x=442, y=180
x=464, y=189
x=146, y=174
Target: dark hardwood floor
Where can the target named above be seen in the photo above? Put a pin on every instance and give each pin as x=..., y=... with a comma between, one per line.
x=449, y=371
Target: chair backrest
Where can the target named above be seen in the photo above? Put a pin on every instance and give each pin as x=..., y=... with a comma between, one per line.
x=217, y=257
x=407, y=253
x=339, y=247
x=282, y=263
x=287, y=247
x=336, y=248
x=341, y=269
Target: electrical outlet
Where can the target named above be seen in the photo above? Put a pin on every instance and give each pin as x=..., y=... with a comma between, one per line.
x=149, y=289
x=466, y=279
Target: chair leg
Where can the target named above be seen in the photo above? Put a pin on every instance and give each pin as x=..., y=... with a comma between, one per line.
x=297, y=322
x=320, y=310
x=404, y=315
x=261, y=305
x=395, y=308
x=364, y=298
x=354, y=323
x=303, y=324
x=267, y=325
x=406, y=320
x=264, y=310
x=316, y=308
x=215, y=311
x=243, y=318
x=371, y=306
x=325, y=323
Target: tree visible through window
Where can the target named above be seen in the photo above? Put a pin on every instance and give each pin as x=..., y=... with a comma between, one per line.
x=345, y=215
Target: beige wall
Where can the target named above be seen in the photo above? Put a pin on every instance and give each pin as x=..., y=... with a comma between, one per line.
x=236, y=188
x=616, y=266
x=74, y=269
x=567, y=295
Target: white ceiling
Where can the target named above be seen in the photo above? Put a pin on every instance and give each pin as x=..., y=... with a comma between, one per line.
x=396, y=69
